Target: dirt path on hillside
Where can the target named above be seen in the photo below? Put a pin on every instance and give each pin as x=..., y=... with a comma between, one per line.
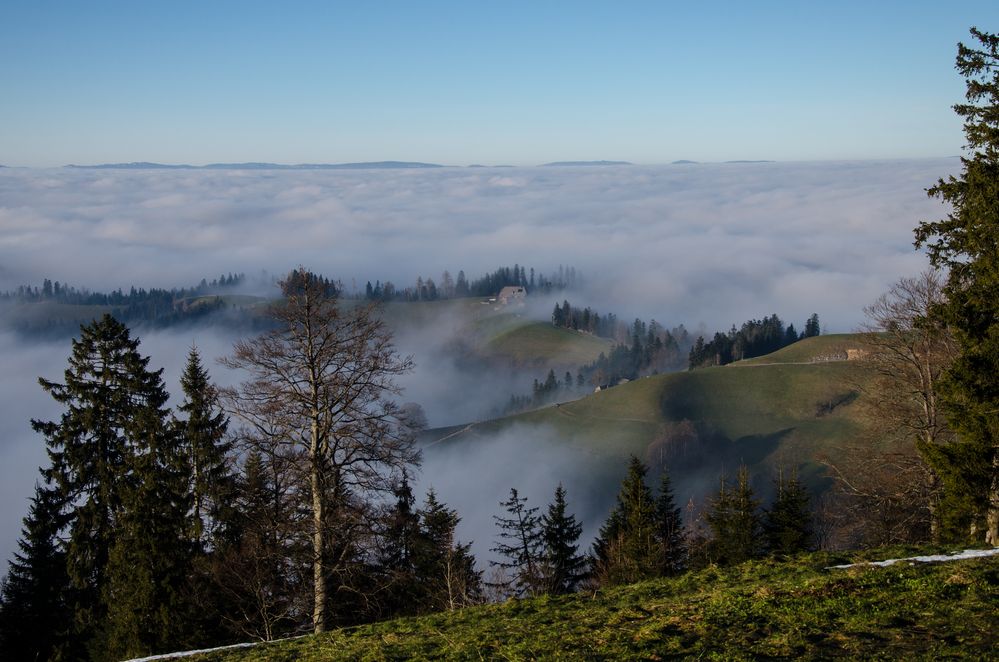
x=739, y=364
x=565, y=412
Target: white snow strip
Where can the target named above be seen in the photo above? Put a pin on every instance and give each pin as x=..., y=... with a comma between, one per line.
x=170, y=656
x=932, y=558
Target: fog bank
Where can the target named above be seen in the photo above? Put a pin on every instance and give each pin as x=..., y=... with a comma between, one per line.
x=713, y=243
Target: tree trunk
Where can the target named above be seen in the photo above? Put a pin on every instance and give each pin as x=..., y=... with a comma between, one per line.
x=318, y=541
x=992, y=511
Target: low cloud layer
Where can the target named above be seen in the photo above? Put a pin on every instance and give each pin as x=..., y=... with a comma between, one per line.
x=684, y=243
x=692, y=244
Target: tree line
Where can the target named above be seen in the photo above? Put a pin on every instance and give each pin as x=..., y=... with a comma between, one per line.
x=753, y=338
x=156, y=307
x=135, y=297
x=646, y=536
x=488, y=285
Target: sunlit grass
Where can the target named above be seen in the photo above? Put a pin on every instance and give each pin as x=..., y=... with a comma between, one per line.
x=796, y=609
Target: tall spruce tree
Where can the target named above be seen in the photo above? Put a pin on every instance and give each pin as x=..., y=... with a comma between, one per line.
x=399, y=540
x=670, y=532
x=788, y=522
x=520, y=547
x=735, y=522
x=34, y=615
x=965, y=244
x=626, y=550
x=263, y=575
x=150, y=563
x=113, y=406
x=203, y=434
x=445, y=567
x=563, y=566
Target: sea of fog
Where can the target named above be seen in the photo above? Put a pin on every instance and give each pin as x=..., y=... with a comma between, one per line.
x=706, y=245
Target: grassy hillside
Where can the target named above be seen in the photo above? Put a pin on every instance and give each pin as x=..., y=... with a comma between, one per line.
x=536, y=344
x=764, y=609
x=700, y=424
x=811, y=350
x=496, y=333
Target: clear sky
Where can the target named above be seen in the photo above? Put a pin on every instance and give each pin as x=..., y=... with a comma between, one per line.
x=477, y=82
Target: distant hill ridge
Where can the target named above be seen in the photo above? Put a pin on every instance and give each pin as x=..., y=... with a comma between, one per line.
x=366, y=165
x=587, y=163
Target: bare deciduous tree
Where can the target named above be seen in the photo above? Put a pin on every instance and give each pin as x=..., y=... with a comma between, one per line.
x=319, y=385
x=907, y=353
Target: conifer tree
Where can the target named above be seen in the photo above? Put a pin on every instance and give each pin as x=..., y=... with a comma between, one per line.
x=520, y=544
x=263, y=574
x=113, y=401
x=626, y=550
x=735, y=522
x=445, y=567
x=397, y=552
x=812, y=326
x=203, y=435
x=965, y=244
x=151, y=558
x=670, y=532
x=564, y=566
x=788, y=523
x=34, y=615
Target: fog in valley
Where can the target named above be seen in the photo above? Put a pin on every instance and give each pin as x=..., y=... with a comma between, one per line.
x=702, y=245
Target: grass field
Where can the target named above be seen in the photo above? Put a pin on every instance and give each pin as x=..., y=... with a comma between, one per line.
x=814, y=350
x=760, y=414
x=760, y=610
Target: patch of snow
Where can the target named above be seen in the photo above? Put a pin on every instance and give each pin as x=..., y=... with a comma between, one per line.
x=932, y=558
x=170, y=656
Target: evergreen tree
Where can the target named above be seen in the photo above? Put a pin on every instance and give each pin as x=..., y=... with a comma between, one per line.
x=735, y=522
x=461, y=288
x=152, y=555
x=626, y=550
x=34, y=615
x=397, y=552
x=520, y=543
x=788, y=523
x=113, y=402
x=564, y=566
x=445, y=567
x=965, y=244
x=203, y=435
x=264, y=573
x=670, y=532
x=812, y=326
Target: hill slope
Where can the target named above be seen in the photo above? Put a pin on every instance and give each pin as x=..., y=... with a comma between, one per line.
x=700, y=423
x=764, y=609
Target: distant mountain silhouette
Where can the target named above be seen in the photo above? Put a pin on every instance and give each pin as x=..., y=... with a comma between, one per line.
x=587, y=163
x=370, y=165
x=136, y=165
x=751, y=161
x=683, y=162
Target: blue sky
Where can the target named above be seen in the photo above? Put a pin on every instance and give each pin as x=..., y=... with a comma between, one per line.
x=475, y=82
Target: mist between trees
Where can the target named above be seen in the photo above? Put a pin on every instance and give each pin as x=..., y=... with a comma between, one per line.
x=282, y=504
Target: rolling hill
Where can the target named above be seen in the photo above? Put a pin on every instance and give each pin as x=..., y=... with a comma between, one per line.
x=763, y=413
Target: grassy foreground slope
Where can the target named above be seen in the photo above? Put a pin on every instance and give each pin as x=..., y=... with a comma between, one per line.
x=764, y=609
